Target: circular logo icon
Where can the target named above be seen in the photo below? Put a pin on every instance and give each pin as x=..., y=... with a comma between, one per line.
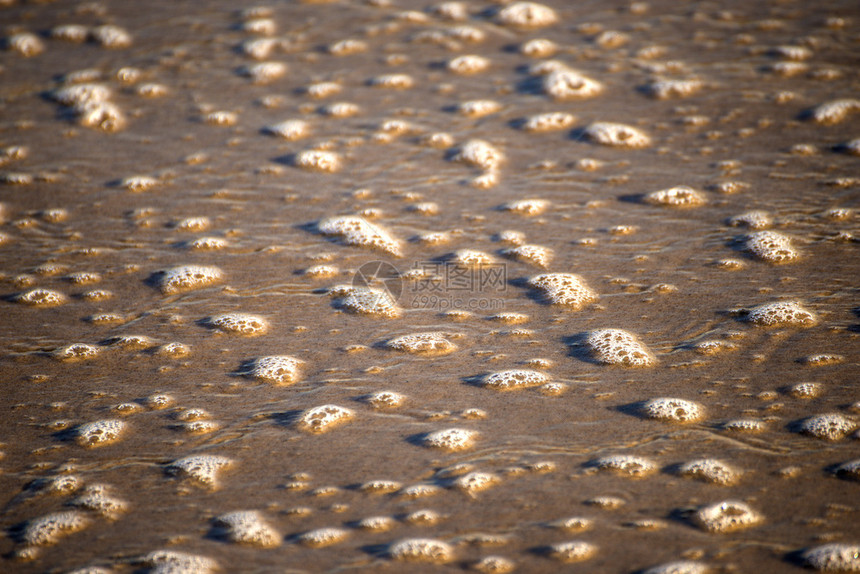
x=380, y=275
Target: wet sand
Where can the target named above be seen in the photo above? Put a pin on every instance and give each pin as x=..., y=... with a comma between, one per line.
x=178, y=163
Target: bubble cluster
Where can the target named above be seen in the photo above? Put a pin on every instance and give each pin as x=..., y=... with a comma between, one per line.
x=432, y=343
x=276, y=369
x=573, y=551
x=535, y=254
x=100, y=433
x=628, y=465
x=672, y=410
x=97, y=498
x=710, y=470
x=422, y=550
x=681, y=196
x=319, y=160
x=248, y=527
x=366, y=301
x=727, y=516
x=479, y=153
x=174, y=562
x=679, y=567
x=322, y=537
x=187, y=278
x=323, y=418
x=618, y=347
x=454, y=439
x=565, y=84
x=41, y=297
x=566, y=289
x=355, y=230
x=202, y=468
x=51, y=528
x=617, y=135
x=514, y=379
x=829, y=426
x=781, y=314
x=244, y=324
x=771, y=246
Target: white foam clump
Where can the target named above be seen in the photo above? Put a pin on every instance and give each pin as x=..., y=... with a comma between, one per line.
x=422, y=550
x=566, y=84
x=679, y=567
x=265, y=72
x=276, y=369
x=355, y=230
x=781, y=313
x=665, y=89
x=323, y=418
x=680, y=196
x=248, y=527
x=26, y=44
x=41, y=297
x=830, y=426
x=100, y=433
x=771, y=246
x=479, y=108
x=672, y=410
x=386, y=400
x=173, y=562
x=97, y=497
x=514, y=379
x=480, y=153
x=322, y=537
x=755, y=219
x=527, y=206
x=468, y=64
x=49, y=529
x=727, y=516
x=476, y=481
x=203, y=468
x=573, y=551
x=370, y=301
x=453, y=439
x=617, y=135
x=289, y=130
x=710, y=470
x=850, y=470
x=535, y=254
x=565, y=289
x=527, y=15
x=110, y=36
x=139, y=183
x=239, y=324
x=432, y=343
x=834, y=557
x=835, y=111
x=318, y=160
x=548, y=122
x=634, y=466
x=188, y=277
x=618, y=347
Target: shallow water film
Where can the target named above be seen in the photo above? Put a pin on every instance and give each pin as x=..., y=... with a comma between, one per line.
x=408, y=286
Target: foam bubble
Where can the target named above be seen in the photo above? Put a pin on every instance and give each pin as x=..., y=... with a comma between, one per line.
x=835, y=557
x=207, y=244
x=679, y=567
x=781, y=314
x=187, y=277
x=494, y=565
x=422, y=550
x=573, y=524
x=49, y=529
x=453, y=439
x=566, y=84
x=26, y=44
x=680, y=196
x=564, y=289
x=510, y=318
x=82, y=94
x=822, y=359
x=672, y=410
x=514, y=379
x=139, y=183
x=849, y=470
x=318, y=160
x=393, y=81
x=710, y=470
x=727, y=516
x=618, y=135
x=527, y=206
x=338, y=110
x=239, y=324
x=423, y=517
x=321, y=90
x=100, y=433
x=479, y=108
x=322, y=537
x=70, y=33
x=420, y=491
x=376, y=523
x=480, y=154
x=618, y=347
x=830, y=426
x=755, y=219
x=355, y=230
x=97, y=498
x=110, y=36
x=192, y=224
x=174, y=349
x=380, y=486
x=535, y=254
x=476, y=481
x=744, y=426
x=41, y=297
x=550, y=121
x=629, y=465
x=276, y=369
x=321, y=271
x=665, y=89
x=806, y=390
x=248, y=527
x=173, y=562
x=76, y=352
x=202, y=468
x=771, y=246
x=468, y=64
x=538, y=48
x=526, y=15
x=573, y=551
x=834, y=112
x=261, y=25
x=323, y=418
x=433, y=343
x=366, y=301
x=347, y=47
x=385, y=400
